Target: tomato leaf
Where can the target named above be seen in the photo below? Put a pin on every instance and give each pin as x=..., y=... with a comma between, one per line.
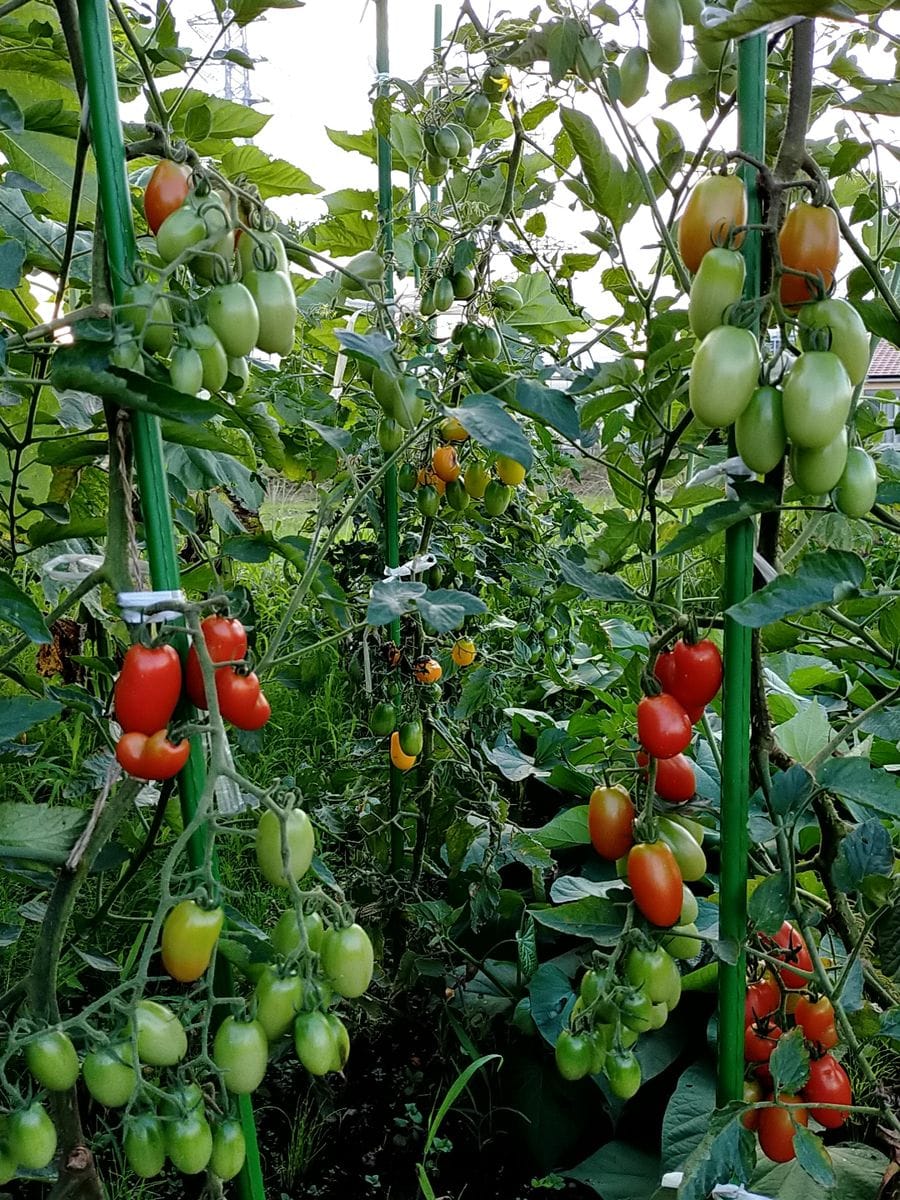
x=687, y=1114
x=39, y=832
x=791, y=790
x=805, y=734
x=18, y=714
x=813, y=1157
x=887, y=938
x=790, y=1062
x=591, y=917
x=547, y=406
x=866, y=850
x=618, y=1171
x=864, y=790
x=20, y=611
x=594, y=584
x=392, y=598
x=769, y=903
x=615, y=191
x=726, y=1153
x=487, y=420
x=568, y=828
x=445, y=609
x=890, y=1023
x=755, y=498
x=822, y=578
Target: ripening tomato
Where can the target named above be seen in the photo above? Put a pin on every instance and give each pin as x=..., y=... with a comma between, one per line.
x=816, y=398
x=687, y=850
x=663, y=727
x=847, y=337
x=675, y=779
x=241, y=699
x=165, y=192
x=857, y=489
x=52, y=1060
x=226, y=641
x=789, y=946
x=189, y=935
x=691, y=672
x=762, y=999
x=148, y=688
x=777, y=1127
x=497, y=497
x=816, y=1019
x=453, y=430
x=477, y=479
x=817, y=471
x=145, y=1145
x=229, y=1149
x=714, y=208
x=759, y=432
x=718, y=284
x=828, y=1084
x=574, y=1055
x=347, y=959
x=611, y=821
x=403, y=762
x=445, y=463
x=656, y=882
x=753, y=1093
x=153, y=757
x=809, y=241
x=241, y=1052
x=463, y=652
x=301, y=843
x=511, y=473
x=426, y=670
x=724, y=375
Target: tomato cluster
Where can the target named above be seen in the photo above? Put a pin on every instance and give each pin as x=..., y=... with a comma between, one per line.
x=240, y=697
x=810, y=411
x=778, y=1001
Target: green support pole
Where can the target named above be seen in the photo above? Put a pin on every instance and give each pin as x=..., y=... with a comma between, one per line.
x=109, y=151
x=438, y=37
x=739, y=542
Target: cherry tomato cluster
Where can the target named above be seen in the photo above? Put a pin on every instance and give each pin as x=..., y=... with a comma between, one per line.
x=776, y=1002
x=810, y=410
x=149, y=688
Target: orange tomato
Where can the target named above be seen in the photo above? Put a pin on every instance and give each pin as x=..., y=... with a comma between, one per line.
x=427, y=670
x=715, y=206
x=427, y=476
x=445, y=464
x=809, y=241
x=401, y=761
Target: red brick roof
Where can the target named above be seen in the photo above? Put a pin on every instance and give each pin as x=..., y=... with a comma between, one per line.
x=885, y=365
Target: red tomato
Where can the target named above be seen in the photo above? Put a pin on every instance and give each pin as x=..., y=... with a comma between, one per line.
x=226, y=641
x=147, y=689
x=753, y=1092
x=664, y=728
x=691, y=673
x=167, y=190
x=675, y=779
x=759, y=1041
x=809, y=241
x=153, y=757
x=610, y=821
x=715, y=206
x=763, y=998
x=816, y=1019
x=828, y=1084
x=790, y=947
x=656, y=881
x=777, y=1127
x=241, y=700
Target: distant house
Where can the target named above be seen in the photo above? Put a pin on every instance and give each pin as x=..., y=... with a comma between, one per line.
x=884, y=376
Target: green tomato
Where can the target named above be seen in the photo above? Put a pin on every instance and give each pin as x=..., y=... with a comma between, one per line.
x=229, y=1149
x=490, y=346
x=189, y=1143
x=301, y=844
x=31, y=1137
x=161, y=1039
x=212, y=356
x=476, y=480
x=341, y=1039
x=446, y=143
x=276, y=305
x=435, y=168
x=278, y=1000
x=599, y=1049
x=817, y=395
x=463, y=284
x=496, y=498
x=574, y=1055
x=681, y=942
x=635, y=1008
x=314, y=1041
x=589, y=989
x=652, y=971
x=109, y=1076
x=411, y=736
x=712, y=52
x=817, y=471
x=508, y=297
x=390, y=435
x=659, y=1014
x=232, y=316
x=427, y=500
x=457, y=496
x=180, y=1100
x=718, y=284
x=421, y=254
x=688, y=853
x=849, y=336
x=179, y=231
x=690, y=909
x=634, y=71
x=443, y=294
x=238, y=376
x=186, y=371
x=52, y=1060
x=477, y=111
x=8, y=1166
x=286, y=937
x=724, y=373
x=150, y=316
x=267, y=239
x=857, y=487
x=759, y=431
x=426, y=303
x=241, y=1052
x=410, y=407
x=622, y=1068
x=464, y=139
x=383, y=719
x=407, y=478
x=348, y=960
x=662, y=19
x=386, y=389
x=145, y=1145
x=368, y=266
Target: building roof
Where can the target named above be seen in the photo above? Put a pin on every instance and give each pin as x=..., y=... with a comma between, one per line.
x=885, y=365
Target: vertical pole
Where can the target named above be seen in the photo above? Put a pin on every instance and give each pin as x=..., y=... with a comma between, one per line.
x=739, y=541
x=435, y=92
x=109, y=151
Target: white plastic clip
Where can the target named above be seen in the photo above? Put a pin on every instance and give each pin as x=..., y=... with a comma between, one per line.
x=134, y=606
x=415, y=566
x=71, y=568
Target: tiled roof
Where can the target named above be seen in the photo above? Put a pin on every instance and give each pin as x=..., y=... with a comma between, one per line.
x=885, y=363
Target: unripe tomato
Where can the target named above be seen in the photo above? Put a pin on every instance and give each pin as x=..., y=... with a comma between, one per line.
x=148, y=688
x=656, y=882
x=688, y=853
x=347, y=959
x=268, y=240
x=301, y=843
x=752, y=1094
x=161, y=1039
x=623, y=1071
x=817, y=471
x=189, y=1143
x=675, y=780
x=241, y=1052
x=817, y=395
x=683, y=941
x=714, y=208
x=383, y=719
x=188, y=938
x=181, y=230
x=186, y=371
x=410, y=407
x=463, y=652
x=777, y=1127
x=165, y=192
x=238, y=377
x=276, y=305
x=145, y=1145
x=463, y=284
x=457, y=496
x=229, y=1149
x=180, y=1100
x=278, y=1000
x=759, y=432
x=634, y=71
x=690, y=909
x=574, y=1055
x=421, y=254
x=476, y=112
x=52, y=1060
x=212, y=356
x=476, y=480
x=411, y=736
x=453, y=430
x=428, y=501
x=809, y=241
x=857, y=488
x=407, y=478
x=635, y=1009
x=828, y=1084
x=849, y=336
x=664, y=728
x=150, y=315
x=445, y=464
x=488, y=344
x=286, y=936
x=445, y=143
x=611, y=821
x=496, y=498
x=508, y=297
x=109, y=1075
x=232, y=316
x=390, y=435
x=724, y=375
x=495, y=82
x=664, y=45
x=314, y=1041
x=403, y=762
x=653, y=971
x=31, y=1137
x=511, y=473
x=718, y=284
x=443, y=294
x=341, y=1040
